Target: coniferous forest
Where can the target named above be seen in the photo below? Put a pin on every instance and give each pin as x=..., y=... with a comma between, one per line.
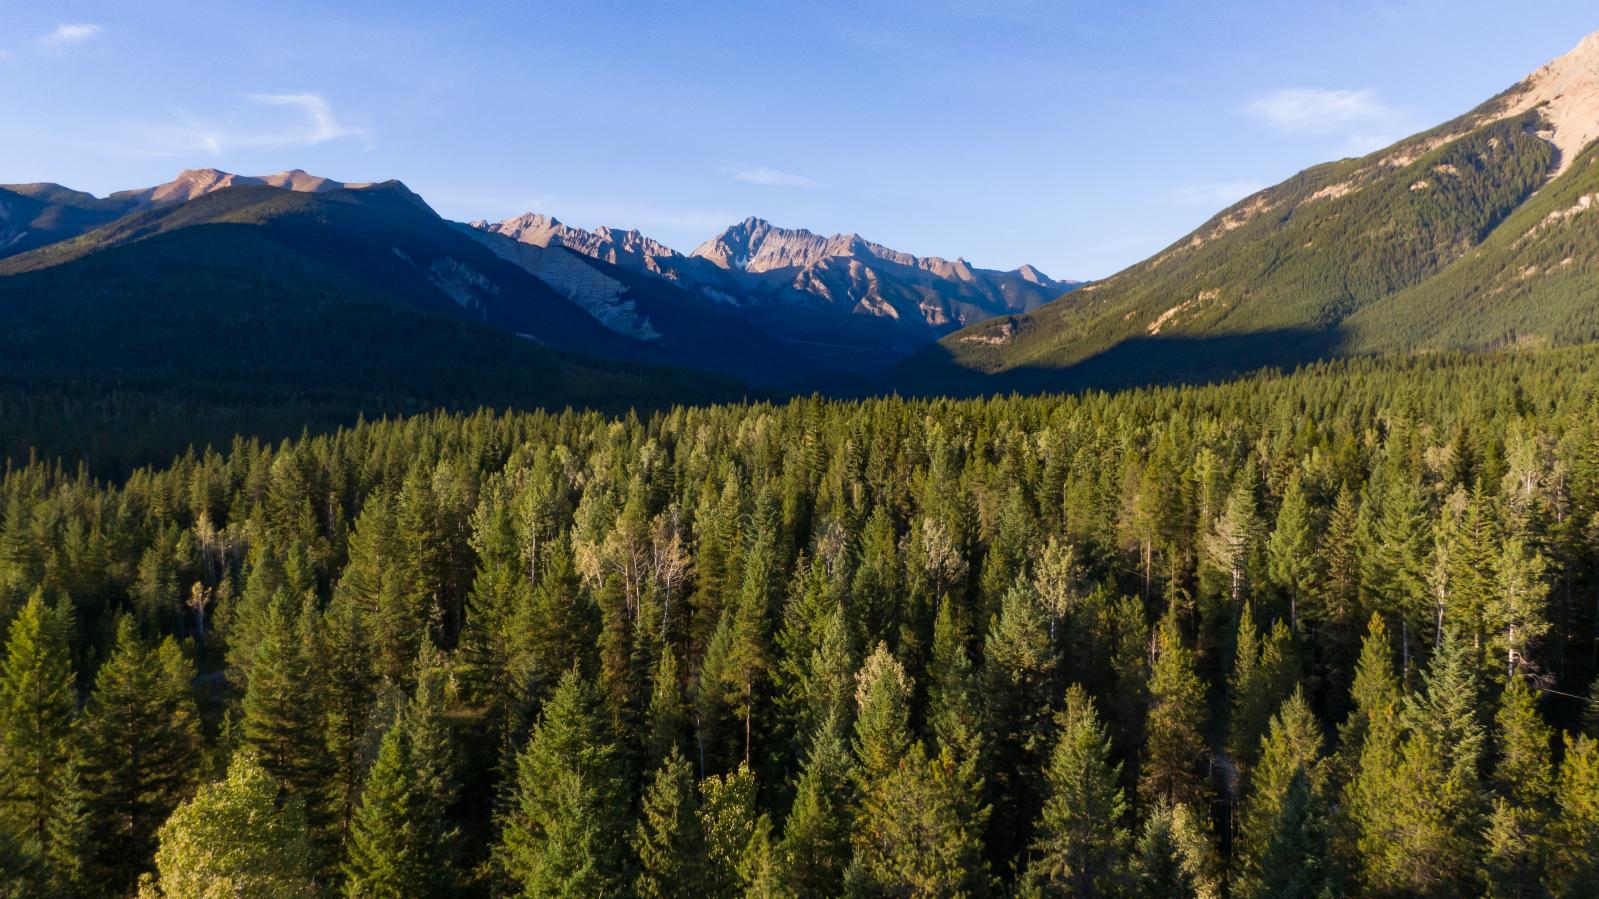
x=1316, y=634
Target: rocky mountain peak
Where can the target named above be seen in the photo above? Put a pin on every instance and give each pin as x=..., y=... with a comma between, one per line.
x=1567, y=91
x=192, y=183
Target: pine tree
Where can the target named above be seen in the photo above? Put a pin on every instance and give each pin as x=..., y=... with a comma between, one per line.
x=954, y=695
x=1263, y=676
x=1375, y=735
x=1174, y=858
x=1291, y=550
x=1290, y=759
x=814, y=851
x=1233, y=535
x=282, y=722
x=1431, y=810
x=1175, y=750
x=239, y=838
x=141, y=747
x=1515, y=616
x=668, y=717
x=394, y=847
x=349, y=697
x=917, y=829
x=1019, y=690
x=1574, y=838
x=38, y=705
x=1395, y=566
x=1295, y=863
x=1522, y=810
x=666, y=837
x=565, y=833
x=1081, y=840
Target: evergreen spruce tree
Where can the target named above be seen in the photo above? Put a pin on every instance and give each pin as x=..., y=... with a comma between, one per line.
x=1281, y=831
x=1395, y=566
x=1175, y=750
x=141, y=751
x=395, y=839
x=918, y=828
x=1291, y=549
x=349, y=698
x=38, y=707
x=1019, y=691
x=1081, y=839
x=565, y=833
x=282, y=723
x=1173, y=858
x=666, y=837
x=1574, y=838
x=1517, y=852
x=814, y=851
x=668, y=717
x=1295, y=863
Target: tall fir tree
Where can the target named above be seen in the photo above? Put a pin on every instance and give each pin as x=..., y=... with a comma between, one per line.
x=142, y=751
x=38, y=710
x=1020, y=695
x=814, y=851
x=395, y=849
x=565, y=833
x=1081, y=840
x=1175, y=752
x=666, y=838
x=1523, y=807
x=283, y=722
x=1282, y=831
x=1574, y=837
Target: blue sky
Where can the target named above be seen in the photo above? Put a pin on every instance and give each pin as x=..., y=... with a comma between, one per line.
x=1077, y=135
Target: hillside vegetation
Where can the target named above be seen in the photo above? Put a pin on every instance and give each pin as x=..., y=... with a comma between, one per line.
x=1461, y=237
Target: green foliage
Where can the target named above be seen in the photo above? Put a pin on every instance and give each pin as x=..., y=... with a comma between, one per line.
x=240, y=837
x=395, y=847
x=667, y=837
x=565, y=833
x=141, y=750
x=565, y=622
x=38, y=710
x=1082, y=842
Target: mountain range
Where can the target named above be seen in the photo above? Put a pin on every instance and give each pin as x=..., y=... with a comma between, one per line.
x=765, y=305
x=841, y=301
x=1478, y=234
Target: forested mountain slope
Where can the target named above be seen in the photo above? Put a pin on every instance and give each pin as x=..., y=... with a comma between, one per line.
x=1467, y=236
x=1314, y=635
x=261, y=312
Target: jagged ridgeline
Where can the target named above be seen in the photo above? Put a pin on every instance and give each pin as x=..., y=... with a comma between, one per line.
x=1318, y=634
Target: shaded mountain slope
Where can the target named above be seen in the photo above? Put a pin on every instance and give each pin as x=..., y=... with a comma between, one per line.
x=197, y=333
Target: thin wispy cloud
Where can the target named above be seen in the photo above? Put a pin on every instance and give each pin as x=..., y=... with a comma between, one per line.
x=7, y=56
x=1218, y=194
x=770, y=177
x=69, y=35
x=305, y=120
x=318, y=114
x=1359, y=117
